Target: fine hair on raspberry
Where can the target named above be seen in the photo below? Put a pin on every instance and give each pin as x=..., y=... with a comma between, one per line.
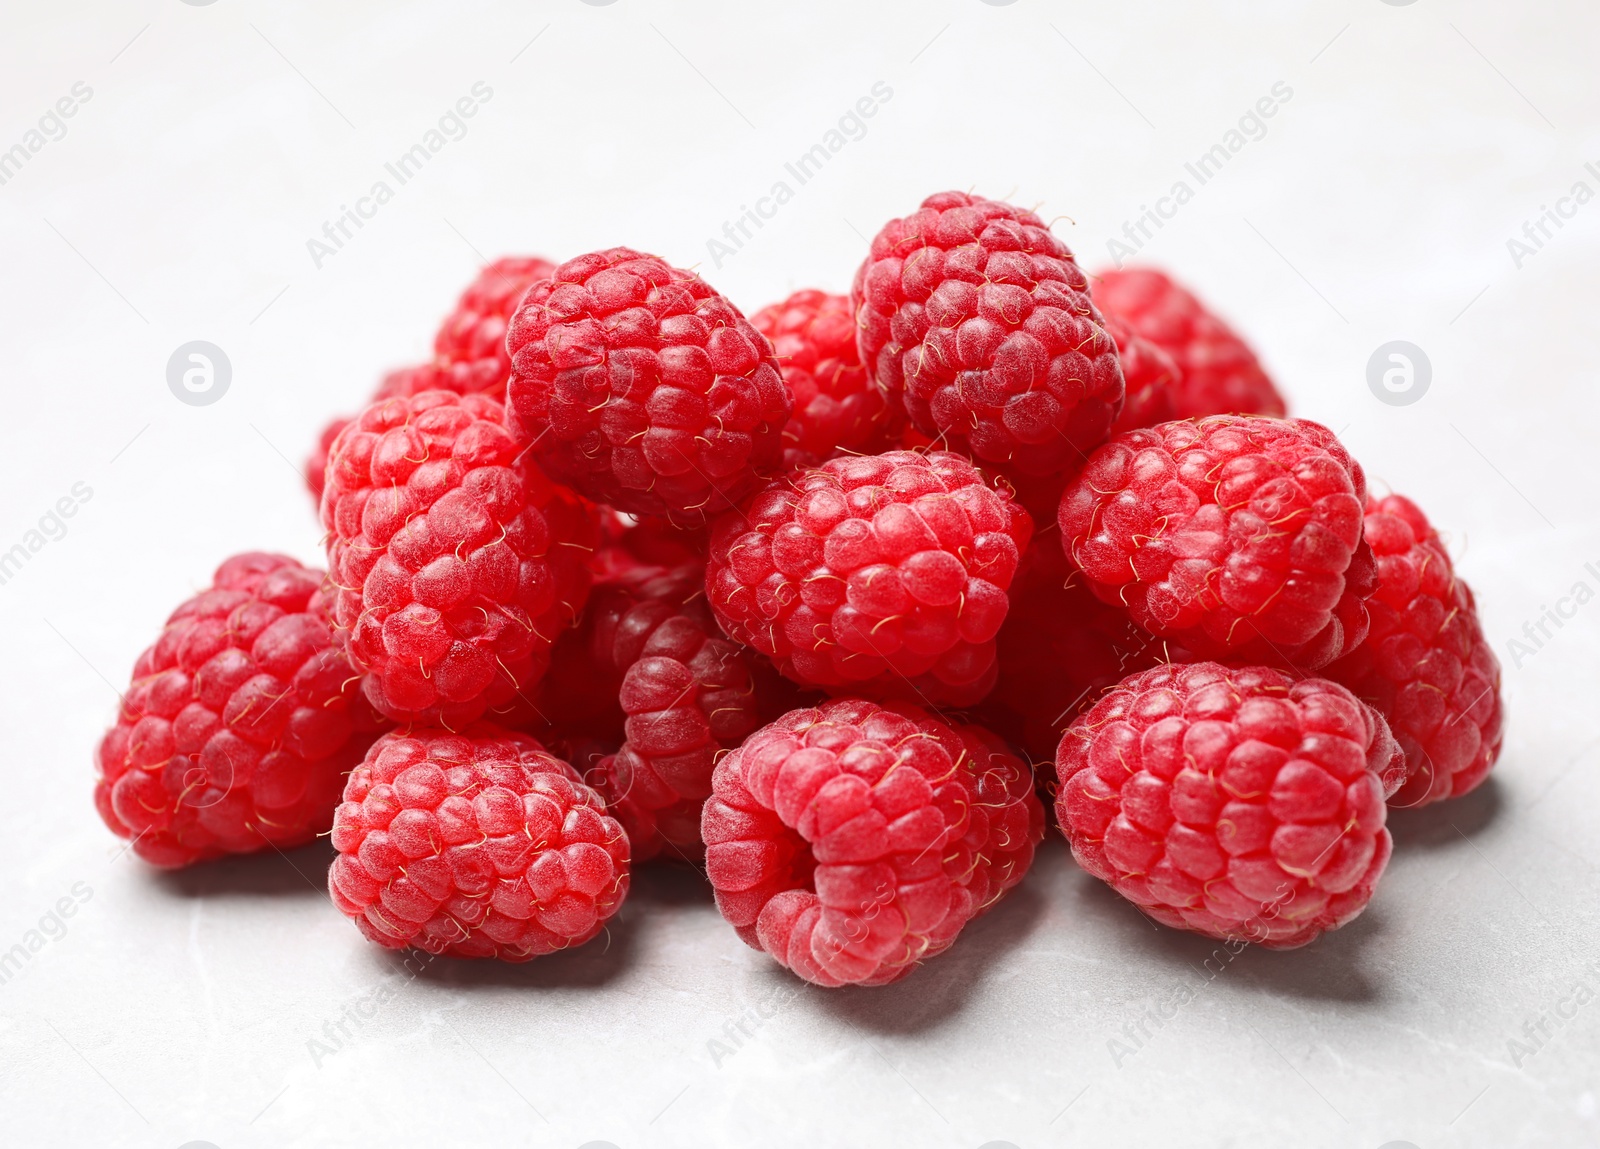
x=240, y=721
x=853, y=841
x=977, y=320
x=883, y=575
x=1238, y=536
x=1241, y=803
x=478, y=844
x=644, y=387
x=457, y=562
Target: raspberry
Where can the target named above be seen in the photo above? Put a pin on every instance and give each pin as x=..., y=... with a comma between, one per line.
x=977, y=320
x=240, y=723
x=1218, y=374
x=687, y=694
x=480, y=844
x=644, y=388
x=1425, y=664
x=1238, y=803
x=469, y=349
x=884, y=574
x=457, y=562
x=1150, y=376
x=1059, y=649
x=1238, y=536
x=853, y=841
x=837, y=408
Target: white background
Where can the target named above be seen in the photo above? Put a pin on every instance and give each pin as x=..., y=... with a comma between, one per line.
x=220, y=138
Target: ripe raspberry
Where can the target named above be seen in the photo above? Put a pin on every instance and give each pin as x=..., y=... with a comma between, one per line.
x=457, y=562
x=1238, y=536
x=240, y=724
x=853, y=841
x=1218, y=374
x=1059, y=649
x=837, y=408
x=977, y=320
x=481, y=844
x=881, y=574
x=644, y=388
x=687, y=693
x=1425, y=664
x=1238, y=803
x=1150, y=376
x=469, y=349
x=627, y=543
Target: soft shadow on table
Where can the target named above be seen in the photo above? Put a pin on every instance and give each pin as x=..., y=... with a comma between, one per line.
x=1328, y=969
x=656, y=888
x=940, y=988
x=301, y=872
x=1430, y=827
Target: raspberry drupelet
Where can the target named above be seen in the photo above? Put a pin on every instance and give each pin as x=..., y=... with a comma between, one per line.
x=1150, y=376
x=837, y=407
x=479, y=844
x=1218, y=374
x=469, y=351
x=458, y=563
x=977, y=320
x=240, y=723
x=686, y=694
x=883, y=575
x=1059, y=649
x=1426, y=664
x=1237, y=536
x=643, y=387
x=1240, y=803
x=853, y=841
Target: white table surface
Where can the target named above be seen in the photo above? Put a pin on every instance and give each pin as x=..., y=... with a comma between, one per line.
x=216, y=141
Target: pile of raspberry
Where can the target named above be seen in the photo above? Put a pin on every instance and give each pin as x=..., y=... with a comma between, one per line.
x=841, y=604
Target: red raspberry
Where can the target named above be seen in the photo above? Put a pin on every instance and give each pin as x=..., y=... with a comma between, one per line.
x=627, y=542
x=884, y=574
x=470, y=348
x=1238, y=803
x=1218, y=374
x=837, y=408
x=240, y=724
x=977, y=320
x=481, y=844
x=1238, y=536
x=1150, y=376
x=644, y=388
x=853, y=841
x=457, y=562
x=687, y=694
x=1425, y=664
x=1059, y=649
